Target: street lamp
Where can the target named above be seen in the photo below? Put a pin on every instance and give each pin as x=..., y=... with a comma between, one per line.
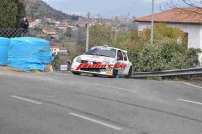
x=152, y=25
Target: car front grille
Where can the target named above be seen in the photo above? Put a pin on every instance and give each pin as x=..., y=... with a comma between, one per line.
x=97, y=70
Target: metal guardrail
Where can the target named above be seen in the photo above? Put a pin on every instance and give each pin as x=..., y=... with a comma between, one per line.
x=169, y=73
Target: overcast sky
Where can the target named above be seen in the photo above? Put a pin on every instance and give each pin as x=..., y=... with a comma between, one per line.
x=106, y=8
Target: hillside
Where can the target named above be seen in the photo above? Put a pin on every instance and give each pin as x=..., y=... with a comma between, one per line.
x=39, y=9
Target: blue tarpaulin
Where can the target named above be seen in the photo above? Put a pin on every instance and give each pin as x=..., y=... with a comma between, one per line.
x=27, y=53
x=4, y=43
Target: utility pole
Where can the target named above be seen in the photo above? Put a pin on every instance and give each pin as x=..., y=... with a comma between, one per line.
x=152, y=23
x=87, y=37
x=87, y=32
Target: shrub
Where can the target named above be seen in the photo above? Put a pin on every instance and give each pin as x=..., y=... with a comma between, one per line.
x=166, y=53
x=148, y=59
x=192, y=57
x=164, y=57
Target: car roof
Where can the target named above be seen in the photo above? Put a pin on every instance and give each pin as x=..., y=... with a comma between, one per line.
x=109, y=48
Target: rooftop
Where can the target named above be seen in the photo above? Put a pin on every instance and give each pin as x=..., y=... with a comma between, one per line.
x=175, y=15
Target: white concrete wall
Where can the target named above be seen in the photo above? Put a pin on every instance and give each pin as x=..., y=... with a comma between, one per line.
x=200, y=55
x=143, y=25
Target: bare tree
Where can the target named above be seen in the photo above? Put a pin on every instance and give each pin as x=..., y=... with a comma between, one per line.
x=184, y=5
x=193, y=3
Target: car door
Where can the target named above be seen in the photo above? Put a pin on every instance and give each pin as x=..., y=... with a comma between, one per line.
x=126, y=63
x=120, y=62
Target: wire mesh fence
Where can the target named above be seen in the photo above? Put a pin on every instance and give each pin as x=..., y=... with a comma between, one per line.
x=13, y=32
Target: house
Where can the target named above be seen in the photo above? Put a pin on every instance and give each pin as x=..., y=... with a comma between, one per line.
x=188, y=20
x=62, y=26
x=50, y=32
x=35, y=23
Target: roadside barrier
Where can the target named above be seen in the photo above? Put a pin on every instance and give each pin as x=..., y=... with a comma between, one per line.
x=4, y=44
x=169, y=73
x=25, y=53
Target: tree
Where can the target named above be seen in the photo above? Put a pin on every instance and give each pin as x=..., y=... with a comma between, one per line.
x=184, y=3
x=81, y=36
x=11, y=11
x=193, y=3
x=100, y=35
x=21, y=10
x=68, y=32
x=8, y=14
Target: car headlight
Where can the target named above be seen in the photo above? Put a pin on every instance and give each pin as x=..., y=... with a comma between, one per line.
x=78, y=59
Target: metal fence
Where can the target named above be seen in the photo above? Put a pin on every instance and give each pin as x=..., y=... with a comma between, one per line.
x=12, y=32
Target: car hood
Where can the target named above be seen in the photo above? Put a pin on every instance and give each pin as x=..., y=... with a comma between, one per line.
x=95, y=58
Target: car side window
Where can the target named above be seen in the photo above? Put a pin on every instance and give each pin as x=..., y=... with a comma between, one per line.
x=119, y=55
x=125, y=56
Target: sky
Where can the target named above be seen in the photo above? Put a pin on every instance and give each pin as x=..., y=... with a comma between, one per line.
x=106, y=8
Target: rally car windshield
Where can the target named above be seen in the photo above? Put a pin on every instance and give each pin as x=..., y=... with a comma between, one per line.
x=102, y=52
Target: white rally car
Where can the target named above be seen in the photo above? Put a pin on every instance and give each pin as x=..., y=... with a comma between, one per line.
x=103, y=60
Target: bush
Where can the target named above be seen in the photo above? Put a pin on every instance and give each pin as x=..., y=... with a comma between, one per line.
x=169, y=50
x=148, y=59
x=164, y=57
x=192, y=57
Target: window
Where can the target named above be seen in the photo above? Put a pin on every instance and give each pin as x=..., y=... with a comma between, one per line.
x=106, y=52
x=119, y=55
x=125, y=56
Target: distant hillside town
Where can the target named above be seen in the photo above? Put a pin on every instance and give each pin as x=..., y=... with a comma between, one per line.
x=66, y=32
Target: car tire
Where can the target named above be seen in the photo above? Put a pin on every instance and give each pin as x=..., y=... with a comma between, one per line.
x=130, y=72
x=76, y=73
x=95, y=75
x=115, y=73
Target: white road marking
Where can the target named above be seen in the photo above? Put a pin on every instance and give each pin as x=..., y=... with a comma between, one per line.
x=119, y=88
x=189, y=101
x=96, y=121
x=27, y=100
x=189, y=84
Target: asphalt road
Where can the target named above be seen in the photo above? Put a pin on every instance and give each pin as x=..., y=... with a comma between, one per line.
x=57, y=103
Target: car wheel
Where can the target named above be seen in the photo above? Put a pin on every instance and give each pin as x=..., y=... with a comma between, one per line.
x=76, y=73
x=130, y=72
x=115, y=73
x=95, y=75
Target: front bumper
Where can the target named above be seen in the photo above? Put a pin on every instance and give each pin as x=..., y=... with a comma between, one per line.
x=98, y=71
x=104, y=71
